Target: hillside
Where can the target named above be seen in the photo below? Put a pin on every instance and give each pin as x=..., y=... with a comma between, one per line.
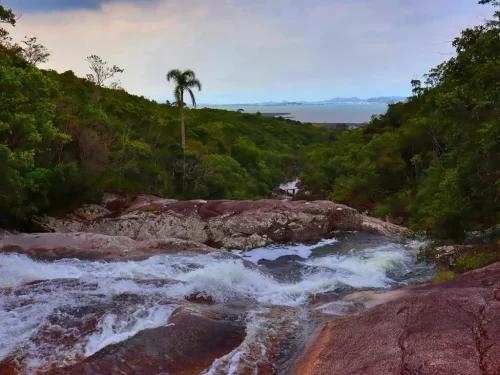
x=64, y=140
x=433, y=161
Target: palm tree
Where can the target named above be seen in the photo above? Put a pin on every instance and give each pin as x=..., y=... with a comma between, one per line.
x=184, y=81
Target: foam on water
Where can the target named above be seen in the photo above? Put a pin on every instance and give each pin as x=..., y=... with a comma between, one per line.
x=368, y=268
x=26, y=310
x=264, y=327
x=112, y=329
x=277, y=251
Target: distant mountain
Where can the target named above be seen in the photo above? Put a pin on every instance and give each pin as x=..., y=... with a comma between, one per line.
x=380, y=99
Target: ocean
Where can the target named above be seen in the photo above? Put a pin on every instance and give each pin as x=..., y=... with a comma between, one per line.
x=317, y=113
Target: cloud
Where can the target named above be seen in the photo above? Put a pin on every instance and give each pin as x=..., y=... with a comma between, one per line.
x=257, y=50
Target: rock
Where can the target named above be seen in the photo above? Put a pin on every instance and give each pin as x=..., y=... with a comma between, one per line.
x=446, y=256
x=398, y=220
x=65, y=224
x=375, y=226
x=200, y=298
x=321, y=298
x=483, y=237
x=92, y=246
x=91, y=212
x=274, y=337
x=114, y=202
x=229, y=224
x=6, y=233
x=281, y=195
x=446, y=328
x=188, y=344
x=370, y=298
x=339, y=308
x=148, y=203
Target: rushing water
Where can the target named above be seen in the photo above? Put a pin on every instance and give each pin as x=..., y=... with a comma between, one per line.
x=268, y=278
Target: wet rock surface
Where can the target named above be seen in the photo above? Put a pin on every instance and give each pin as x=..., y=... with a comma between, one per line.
x=274, y=336
x=229, y=224
x=446, y=328
x=6, y=233
x=73, y=331
x=92, y=246
x=188, y=344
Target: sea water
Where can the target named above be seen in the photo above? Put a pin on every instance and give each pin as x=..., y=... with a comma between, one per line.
x=318, y=113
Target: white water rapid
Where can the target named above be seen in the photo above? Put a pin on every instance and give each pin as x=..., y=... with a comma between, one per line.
x=102, y=303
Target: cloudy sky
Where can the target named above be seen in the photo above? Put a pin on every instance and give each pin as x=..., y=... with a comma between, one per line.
x=253, y=50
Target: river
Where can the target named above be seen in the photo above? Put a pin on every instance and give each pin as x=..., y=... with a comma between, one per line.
x=279, y=277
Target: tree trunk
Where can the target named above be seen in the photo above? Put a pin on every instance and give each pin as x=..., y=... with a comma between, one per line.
x=183, y=131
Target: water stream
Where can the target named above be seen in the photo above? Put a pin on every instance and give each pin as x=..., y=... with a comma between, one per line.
x=98, y=303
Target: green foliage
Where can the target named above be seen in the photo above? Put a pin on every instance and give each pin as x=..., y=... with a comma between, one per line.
x=469, y=262
x=184, y=81
x=34, y=52
x=426, y=252
x=432, y=160
x=102, y=72
x=7, y=16
x=65, y=140
x=28, y=137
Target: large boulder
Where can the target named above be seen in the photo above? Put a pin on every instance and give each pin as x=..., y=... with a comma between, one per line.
x=92, y=246
x=191, y=341
x=446, y=328
x=228, y=224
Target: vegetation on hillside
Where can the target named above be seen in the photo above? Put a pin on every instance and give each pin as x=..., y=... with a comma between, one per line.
x=65, y=140
x=432, y=162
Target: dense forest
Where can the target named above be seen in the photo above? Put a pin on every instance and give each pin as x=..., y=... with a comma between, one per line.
x=431, y=162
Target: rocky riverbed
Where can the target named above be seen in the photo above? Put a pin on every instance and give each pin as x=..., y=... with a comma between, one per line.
x=307, y=288
x=185, y=312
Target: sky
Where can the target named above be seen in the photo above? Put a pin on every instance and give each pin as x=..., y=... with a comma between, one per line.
x=247, y=51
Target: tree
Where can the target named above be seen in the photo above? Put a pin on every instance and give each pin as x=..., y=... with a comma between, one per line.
x=34, y=52
x=102, y=72
x=184, y=81
x=8, y=17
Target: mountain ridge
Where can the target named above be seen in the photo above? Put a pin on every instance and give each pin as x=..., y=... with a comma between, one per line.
x=354, y=100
